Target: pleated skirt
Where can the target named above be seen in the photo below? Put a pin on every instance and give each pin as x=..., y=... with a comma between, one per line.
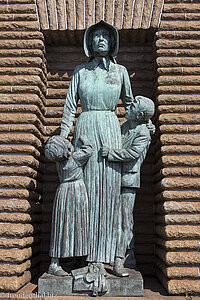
x=70, y=222
x=103, y=181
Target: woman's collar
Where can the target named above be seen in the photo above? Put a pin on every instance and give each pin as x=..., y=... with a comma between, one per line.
x=104, y=61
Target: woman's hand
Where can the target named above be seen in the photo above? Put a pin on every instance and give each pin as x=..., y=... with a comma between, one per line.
x=104, y=151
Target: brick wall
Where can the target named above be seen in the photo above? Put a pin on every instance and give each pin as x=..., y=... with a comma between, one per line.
x=177, y=149
x=22, y=94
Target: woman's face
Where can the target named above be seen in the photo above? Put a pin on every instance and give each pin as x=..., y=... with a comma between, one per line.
x=101, y=42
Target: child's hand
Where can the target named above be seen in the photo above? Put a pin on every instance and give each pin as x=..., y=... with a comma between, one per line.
x=104, y=151
x=151, y=127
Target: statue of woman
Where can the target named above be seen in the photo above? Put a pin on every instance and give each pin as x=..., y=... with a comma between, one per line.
x=99, y=84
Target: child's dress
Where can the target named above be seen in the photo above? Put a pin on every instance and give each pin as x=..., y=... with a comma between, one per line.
x=70, y=220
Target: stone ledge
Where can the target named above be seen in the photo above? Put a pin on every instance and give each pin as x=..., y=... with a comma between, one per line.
x=118, y=287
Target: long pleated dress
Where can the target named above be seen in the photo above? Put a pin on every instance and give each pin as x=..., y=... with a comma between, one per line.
x=99, y=87
x=70, y=216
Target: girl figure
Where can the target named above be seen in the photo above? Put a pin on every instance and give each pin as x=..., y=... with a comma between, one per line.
x=69, y=231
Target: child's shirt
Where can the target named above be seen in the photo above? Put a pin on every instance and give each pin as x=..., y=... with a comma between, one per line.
x=136, y=142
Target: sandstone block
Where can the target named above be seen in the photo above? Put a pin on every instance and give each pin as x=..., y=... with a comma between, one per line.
x=176, y=287
x=173, y=245
x=19, y=218
x=23, y=149
x=180, y=183
x=15, y=269
x=22, y=99
x=178, y=219
x=18, y=17
x=27, y=160
x=17, y=230
x=14, y=283
x=23, y=8
x=19, y=26
x=19, y=205
x=177, y=44
x=180, y=149
x=179, y=232
x=190, y=258
x=173, y=172
x=23, y=242
x=178, y=52
x=181, y=80
x=169, y=160
x=21, y=138
x=180, y=139
x=173, y=129
x=21, y=62
x=180, y=16
x=20, y=193
x=178, y=272
x=178, y=207
x=179, y=89
x=180, y=25
x=178, y=61
x=178, y=99
x=179, y=195
x=20, y=170
x=180, y=7
x=178, y=71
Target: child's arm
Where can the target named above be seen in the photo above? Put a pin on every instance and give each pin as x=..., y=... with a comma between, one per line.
x=132, y=153
x=81, y=156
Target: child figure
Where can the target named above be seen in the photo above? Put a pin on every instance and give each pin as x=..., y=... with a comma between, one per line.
x=69, y=231
x=136, y=140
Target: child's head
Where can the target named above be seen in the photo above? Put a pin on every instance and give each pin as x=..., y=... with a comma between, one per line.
x=58, y=148
x=141, y=110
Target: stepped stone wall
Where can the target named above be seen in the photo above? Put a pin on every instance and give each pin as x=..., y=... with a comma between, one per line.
x=177, y=149
x=40, y=44
x=22, y=111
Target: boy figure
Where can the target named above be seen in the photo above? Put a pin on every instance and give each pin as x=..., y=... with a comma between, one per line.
x=136, y=140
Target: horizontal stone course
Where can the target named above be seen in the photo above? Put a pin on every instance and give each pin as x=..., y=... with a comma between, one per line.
x=166, y=99
x=189, y=16
x=173, y=206
x=180, y=25
x=15, y=204
x=20, y=8
x=193, y=219
x=180, y=7
x=21, y=243
x=19, y=25
x=16, y=230
x=14, y=283
x=180, y=231
x=173, y=245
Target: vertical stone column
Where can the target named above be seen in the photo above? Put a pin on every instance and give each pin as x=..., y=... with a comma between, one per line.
x=22, y=92
x=178, y=158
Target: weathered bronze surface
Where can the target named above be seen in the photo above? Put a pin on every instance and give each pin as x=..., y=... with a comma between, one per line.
x=90, y=217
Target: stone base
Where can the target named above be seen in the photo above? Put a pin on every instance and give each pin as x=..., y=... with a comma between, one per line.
x=118, y=287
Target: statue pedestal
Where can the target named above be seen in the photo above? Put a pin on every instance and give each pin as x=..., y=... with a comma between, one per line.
x=118, y=286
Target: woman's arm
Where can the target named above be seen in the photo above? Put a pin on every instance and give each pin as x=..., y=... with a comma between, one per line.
x=70, y=106
x=81, y=156
x=126, y=91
